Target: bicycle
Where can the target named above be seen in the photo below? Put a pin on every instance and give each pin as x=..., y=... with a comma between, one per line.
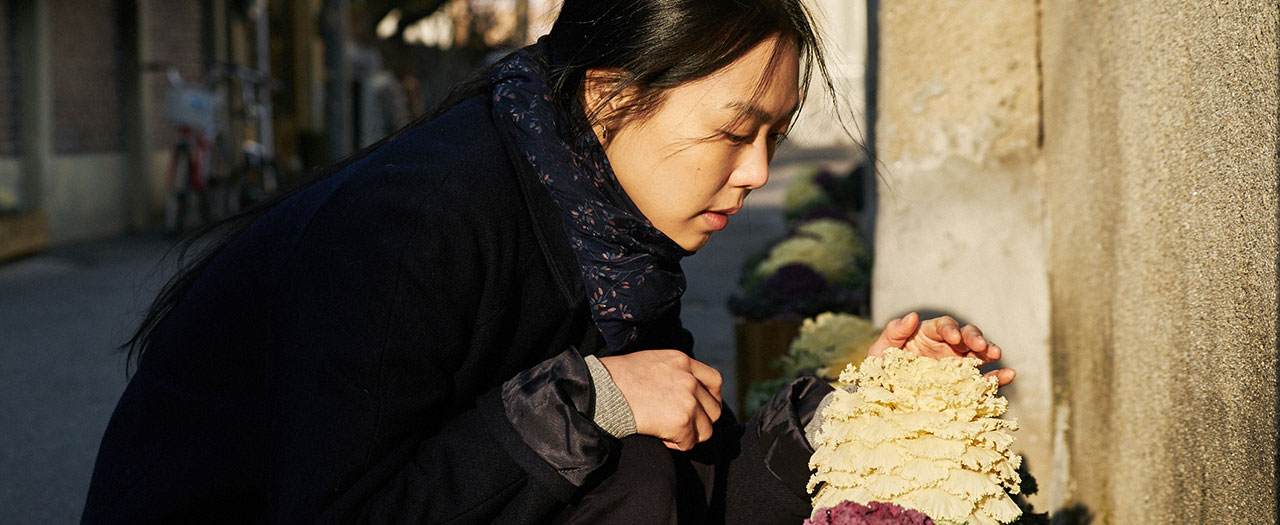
x=193, y=109
x=254, y=178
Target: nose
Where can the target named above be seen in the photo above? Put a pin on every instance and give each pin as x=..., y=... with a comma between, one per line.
x=752, y=171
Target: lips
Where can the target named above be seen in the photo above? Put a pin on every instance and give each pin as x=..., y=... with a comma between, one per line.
x=716, y=221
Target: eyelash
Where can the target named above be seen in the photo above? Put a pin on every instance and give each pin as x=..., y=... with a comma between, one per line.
x=742, y=140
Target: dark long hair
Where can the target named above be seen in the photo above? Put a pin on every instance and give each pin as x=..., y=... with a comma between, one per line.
x=654, y=45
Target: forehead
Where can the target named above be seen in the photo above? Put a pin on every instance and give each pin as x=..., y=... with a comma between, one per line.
x=762, y=85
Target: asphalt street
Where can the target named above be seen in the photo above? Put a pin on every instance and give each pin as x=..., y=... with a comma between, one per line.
x=62, y=315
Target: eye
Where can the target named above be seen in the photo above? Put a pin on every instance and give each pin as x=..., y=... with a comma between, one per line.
x=778, y=138
x=737, y=140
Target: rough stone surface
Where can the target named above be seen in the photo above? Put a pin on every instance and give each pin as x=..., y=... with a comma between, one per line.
x=1160, y=149
x=960, y=228
x=1103, y=176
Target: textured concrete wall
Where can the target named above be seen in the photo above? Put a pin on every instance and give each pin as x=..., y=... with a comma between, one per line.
x=84, y=197
x=1101, y=176
x=960, y=228
x=1161, y=158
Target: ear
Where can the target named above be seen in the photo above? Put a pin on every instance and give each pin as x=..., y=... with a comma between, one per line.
x=599, y=99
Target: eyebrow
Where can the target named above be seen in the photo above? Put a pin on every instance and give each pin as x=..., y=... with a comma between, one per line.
x=757, y=112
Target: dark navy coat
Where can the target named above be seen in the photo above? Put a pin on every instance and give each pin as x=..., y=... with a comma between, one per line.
x=343, y=359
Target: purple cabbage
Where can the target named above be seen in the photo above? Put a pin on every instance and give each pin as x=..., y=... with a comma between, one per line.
x=828, y=181
x=825, y=212
x=873, y=513
x=793, y=280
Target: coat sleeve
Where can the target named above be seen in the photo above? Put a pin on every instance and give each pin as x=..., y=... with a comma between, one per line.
x=371, y=417
x=478, y=468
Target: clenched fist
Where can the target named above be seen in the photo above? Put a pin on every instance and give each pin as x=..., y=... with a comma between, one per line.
x=672, y=396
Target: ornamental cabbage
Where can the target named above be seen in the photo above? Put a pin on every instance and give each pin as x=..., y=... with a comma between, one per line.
x=829, y=246
x=874, y=513
x=804, y=193
x=835, y=231
x=920, y=433
x=826, y=339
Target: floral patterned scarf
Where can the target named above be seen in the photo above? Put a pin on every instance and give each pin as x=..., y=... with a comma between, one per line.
x=631, y=270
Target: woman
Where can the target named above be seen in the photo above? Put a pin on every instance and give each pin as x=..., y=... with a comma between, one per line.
x=477, y=320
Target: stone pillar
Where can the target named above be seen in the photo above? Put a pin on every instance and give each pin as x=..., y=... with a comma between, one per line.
x=337, y=103
x=36, y=94
x=1161, y=153
x=138, y=104
x=960, y=224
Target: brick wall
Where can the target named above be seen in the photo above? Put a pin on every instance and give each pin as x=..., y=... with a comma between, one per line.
x=85, y=49
x=175, y=33
x=10, y=118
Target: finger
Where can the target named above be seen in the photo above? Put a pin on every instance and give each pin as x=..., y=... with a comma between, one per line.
x=902, y=328
x=699, y=424
x=703, y=428
x=709, y=377
x=950, y=331
x=686, y=437
x=1003, y=376
x=944, y=329
x=711, y=407
x=993, y=352
x=973, y=339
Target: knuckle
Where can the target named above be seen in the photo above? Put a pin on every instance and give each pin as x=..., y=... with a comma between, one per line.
x=689, y=407
x=715, y=380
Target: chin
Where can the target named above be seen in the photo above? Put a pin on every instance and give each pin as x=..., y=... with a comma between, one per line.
x=695, y=244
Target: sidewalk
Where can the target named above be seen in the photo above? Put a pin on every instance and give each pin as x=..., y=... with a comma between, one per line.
x=62, y=313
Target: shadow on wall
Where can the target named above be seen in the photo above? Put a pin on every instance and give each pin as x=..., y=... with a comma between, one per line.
x=1072, y=515
x=1075, y=514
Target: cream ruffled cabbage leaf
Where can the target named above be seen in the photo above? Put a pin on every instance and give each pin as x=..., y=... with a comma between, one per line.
x=921, y=433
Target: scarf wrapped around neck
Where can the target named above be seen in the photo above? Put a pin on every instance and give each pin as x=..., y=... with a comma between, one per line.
x=631, y=270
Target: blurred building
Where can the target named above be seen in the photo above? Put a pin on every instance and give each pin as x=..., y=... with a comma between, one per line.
x=840, y=123
x=83, y=138
x=84, y=143
x=74, y=129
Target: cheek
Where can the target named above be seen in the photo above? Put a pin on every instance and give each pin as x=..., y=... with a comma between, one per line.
x=711, y=172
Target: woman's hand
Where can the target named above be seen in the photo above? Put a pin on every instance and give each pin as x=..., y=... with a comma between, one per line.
x=937, y=338
x=672, y=396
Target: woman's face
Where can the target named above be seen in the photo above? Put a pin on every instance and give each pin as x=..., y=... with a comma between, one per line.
x=689, y=165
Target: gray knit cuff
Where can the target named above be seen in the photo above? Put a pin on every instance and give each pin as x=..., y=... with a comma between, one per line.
x=612, y=413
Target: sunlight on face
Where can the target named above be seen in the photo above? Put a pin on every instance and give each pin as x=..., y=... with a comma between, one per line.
x=690, y=164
